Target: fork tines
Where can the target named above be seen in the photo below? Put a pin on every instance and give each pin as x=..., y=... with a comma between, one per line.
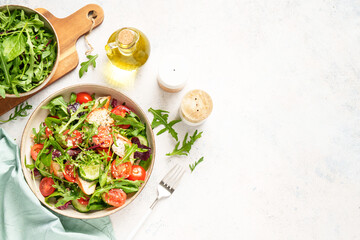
x=172, y=179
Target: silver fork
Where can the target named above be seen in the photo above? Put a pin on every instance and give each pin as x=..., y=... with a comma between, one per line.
x=165, y=188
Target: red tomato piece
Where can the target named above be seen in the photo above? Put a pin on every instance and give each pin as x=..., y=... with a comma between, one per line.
x=74, y=139
x=121, y=171
x=46, y=186
x=115, y=197
x=137, y=173
x=35, y=150
x=103, y=138
x=84, y=200
x=69, y=173
x=83, y=97
x=48, y=132
x=105, y=152
x=121, y=110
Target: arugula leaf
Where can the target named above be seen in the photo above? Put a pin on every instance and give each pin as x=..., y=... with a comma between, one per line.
x=186, y=146
x=75, y=116
x=20, y=111
x=80, y=121
x=146, y=164
x=55, y=144
x=85, y=65
x=3, y=90
x=65, y=194
x=50, y=120
x=193, y=166
x=45, y=155
x=128, y=154
x=161, y=118
x=97, y=205
x=72, y=98
x=42, y=169
x=127, y=121
x=36, y=22
x=5, y=70
x=29, y=166
x=88, y=131
x=104, y=174
x=14, y=46
x=57, y=107
x=40, y=136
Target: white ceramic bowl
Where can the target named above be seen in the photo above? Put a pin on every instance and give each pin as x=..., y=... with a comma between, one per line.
x=39, y=116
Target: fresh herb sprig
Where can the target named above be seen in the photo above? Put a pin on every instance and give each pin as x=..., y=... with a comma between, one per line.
x=193, y=166
x=186, y=145
x=20, y=111
x=85, y=65
x=161, y=118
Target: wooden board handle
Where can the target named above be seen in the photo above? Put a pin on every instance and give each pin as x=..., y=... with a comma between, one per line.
x=68, y=30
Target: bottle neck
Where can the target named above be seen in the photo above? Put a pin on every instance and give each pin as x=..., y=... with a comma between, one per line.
x=126, y=40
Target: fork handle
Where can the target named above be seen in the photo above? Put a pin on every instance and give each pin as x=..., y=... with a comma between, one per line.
x=140, y=223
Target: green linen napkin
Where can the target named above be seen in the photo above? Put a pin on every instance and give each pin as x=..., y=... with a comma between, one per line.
x=23, y=217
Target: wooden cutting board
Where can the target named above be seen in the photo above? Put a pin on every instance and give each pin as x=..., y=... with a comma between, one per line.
x=69, y=30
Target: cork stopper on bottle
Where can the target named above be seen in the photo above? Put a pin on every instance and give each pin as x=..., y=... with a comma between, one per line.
x=196, y=106
x=126, y=36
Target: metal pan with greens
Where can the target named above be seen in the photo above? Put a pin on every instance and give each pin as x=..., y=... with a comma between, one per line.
x=89, y=153
x=28, y=50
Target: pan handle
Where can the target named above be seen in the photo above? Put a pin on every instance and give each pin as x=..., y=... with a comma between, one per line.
x=70, y=28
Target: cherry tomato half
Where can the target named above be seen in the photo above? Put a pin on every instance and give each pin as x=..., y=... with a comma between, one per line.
x=121, y=171
x=46, y=186
x=83, y=97
x=48, y=132
x=137, y=173
x=35, y=150
x=84, y=200
x=115, y=197
x=121, y=110
x=103, y=138
x=74, y=139
x=105, y=152
x=69, y=173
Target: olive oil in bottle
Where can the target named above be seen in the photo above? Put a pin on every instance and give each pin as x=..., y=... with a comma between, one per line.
x=128, y=48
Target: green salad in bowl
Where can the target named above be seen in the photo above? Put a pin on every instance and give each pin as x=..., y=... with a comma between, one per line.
x=88, y=153
x=28, y=51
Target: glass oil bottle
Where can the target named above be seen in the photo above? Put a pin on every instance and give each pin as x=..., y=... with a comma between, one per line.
x=128, y=48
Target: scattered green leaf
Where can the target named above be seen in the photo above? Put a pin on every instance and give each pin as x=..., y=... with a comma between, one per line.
x=85, y=65
x=20, y=111
x=193, y=166
x=186, y=146
x=161, y=118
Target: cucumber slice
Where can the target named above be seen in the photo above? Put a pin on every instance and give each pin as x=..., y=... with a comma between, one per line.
x=90, y=172
x=78, y=206
x=143, y=140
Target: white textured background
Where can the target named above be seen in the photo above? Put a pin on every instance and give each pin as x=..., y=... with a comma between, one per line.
x=282, y=147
